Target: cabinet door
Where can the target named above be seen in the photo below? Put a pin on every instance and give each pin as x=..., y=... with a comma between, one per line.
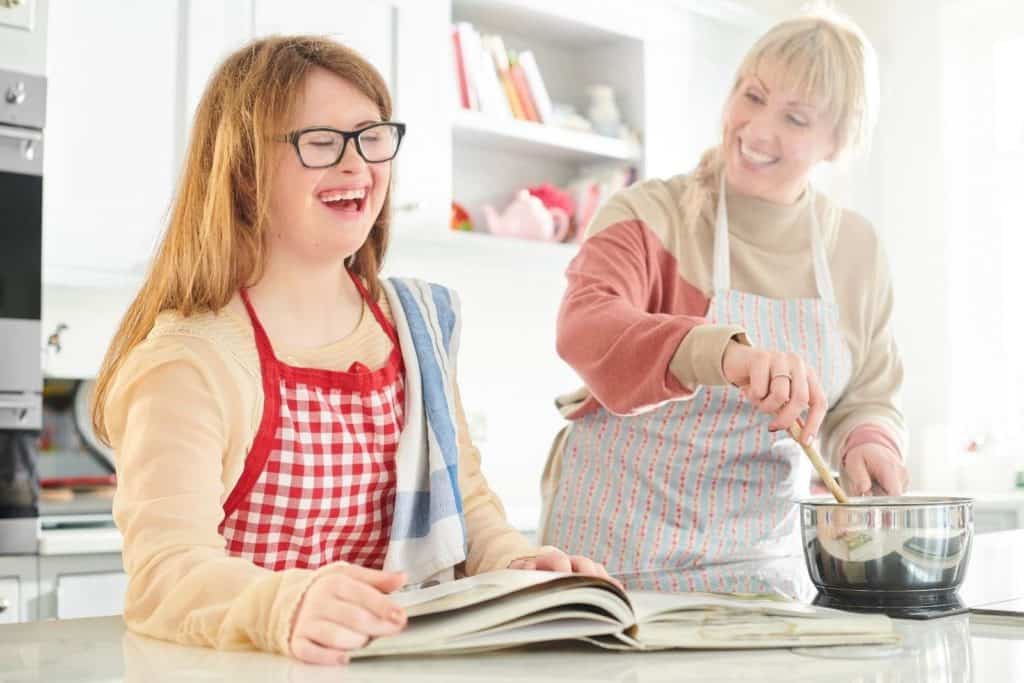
x=90, y=595
x=406, y=41
x=72, y=586
x=363, y=26
x=17, y=588
x=111, y=145
x=10, y=601
x=75, y=337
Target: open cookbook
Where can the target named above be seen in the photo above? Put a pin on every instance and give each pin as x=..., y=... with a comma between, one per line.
x=511, y=608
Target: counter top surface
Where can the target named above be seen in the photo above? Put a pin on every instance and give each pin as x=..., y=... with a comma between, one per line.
x=956, y=648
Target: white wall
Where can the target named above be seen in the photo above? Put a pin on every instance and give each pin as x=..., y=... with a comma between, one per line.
x=900, y=187
x=25, y=50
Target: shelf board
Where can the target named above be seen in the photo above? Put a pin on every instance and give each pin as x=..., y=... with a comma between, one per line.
x=474, y=128
x=429, y=243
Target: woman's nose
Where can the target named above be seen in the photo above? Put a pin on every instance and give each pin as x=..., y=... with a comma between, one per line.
x=761, y=126
x=350, y=161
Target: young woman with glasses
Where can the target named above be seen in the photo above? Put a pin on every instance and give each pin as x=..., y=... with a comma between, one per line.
x=290, y=441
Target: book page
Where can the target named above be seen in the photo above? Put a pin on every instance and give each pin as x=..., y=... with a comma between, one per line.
x=545, y=604
x=653, y=606
x=1008, y=611
x=471, y=590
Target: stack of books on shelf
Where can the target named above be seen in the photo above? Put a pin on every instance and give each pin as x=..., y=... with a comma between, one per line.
x=496, y=81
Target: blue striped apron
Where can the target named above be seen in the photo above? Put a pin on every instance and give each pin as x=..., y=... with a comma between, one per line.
x=702, y=480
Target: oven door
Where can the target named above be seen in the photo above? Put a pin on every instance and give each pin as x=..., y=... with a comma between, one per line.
x=21, y=233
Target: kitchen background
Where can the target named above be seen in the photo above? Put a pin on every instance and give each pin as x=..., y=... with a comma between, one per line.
x=123, y=79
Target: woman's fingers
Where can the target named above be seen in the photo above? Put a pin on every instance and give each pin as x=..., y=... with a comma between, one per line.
x=332, y=635
x=369, y=598
x=554, y=561
x=816, y=408
x=886, y=473
x=760, y=377
x=584, y=565
x=780, y=382
x=386, y=582
x=362, y=621
x=312, y=653
x=856, y=473
x=799, y=394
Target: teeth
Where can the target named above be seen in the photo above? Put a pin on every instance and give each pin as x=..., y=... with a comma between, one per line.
x=756, y=157
x=337, y=195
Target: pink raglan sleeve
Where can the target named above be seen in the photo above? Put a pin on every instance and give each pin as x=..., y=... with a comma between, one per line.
x=630, y=324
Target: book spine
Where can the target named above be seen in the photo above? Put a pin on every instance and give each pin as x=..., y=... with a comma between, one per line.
x=460, y=70
x=523, y=92
x=496, y=47
x=541, y=99
x=467, y=38
x=495, y=103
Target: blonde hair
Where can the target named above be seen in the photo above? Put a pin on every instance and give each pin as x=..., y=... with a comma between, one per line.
x=215, y=240
x=827, y=60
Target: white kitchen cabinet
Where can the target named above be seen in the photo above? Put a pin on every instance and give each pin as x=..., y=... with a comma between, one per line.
x=23, y=36
x=81, y=333
x=10, y=601
x=109, y=168
x=404, y=39
x=73, y=586
x=17, y=588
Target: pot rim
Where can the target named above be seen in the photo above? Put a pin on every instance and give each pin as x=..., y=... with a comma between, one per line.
x=867, y=502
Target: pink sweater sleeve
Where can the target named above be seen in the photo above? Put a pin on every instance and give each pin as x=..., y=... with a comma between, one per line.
x=623, y=319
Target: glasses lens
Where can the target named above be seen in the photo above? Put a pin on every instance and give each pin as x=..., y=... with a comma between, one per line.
x=319, y=148
x=379, y=143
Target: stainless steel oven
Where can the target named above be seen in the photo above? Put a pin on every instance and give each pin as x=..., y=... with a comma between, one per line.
x=22, y=113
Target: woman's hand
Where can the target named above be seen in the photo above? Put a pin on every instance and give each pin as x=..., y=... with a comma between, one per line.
x=779, y=384
x=871, y=466
x=554, y=560
x=341, y=611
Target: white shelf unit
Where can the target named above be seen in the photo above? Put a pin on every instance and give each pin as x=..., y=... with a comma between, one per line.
x=472, y=128
x=492, y=158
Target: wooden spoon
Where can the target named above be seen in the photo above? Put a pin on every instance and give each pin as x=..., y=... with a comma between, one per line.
x=819, y=465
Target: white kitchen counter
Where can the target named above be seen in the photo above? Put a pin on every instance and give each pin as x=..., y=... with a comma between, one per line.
x=85, y=650
x=950, y=649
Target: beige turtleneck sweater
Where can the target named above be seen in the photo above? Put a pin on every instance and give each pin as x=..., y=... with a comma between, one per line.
x=632, y=322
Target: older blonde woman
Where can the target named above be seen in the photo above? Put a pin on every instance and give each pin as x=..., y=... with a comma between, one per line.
x=709, y=312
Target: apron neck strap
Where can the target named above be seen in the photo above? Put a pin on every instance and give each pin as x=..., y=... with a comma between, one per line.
x=721, y=273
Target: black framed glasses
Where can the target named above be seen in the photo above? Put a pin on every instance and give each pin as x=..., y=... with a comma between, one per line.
x=321, y=147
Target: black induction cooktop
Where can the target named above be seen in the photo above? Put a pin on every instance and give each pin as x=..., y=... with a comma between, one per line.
x=907, y=605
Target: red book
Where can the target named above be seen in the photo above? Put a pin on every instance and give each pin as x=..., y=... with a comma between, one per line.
x=460, y=69
x=523, y=91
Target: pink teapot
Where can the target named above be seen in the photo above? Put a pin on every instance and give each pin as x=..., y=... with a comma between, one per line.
x=527, y=217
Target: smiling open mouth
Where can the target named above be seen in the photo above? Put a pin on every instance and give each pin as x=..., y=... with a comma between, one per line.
x=754, y=157
x=347, y=201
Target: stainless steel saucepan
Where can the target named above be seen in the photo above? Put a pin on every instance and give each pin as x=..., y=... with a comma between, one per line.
x=904, y=549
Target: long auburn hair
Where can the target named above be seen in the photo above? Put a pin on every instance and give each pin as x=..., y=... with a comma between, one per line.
x=827, y=58
x=215, y=240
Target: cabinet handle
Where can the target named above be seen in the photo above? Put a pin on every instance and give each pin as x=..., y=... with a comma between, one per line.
x=53, y=341
x=4, y=605
x=407, y=207
x=20, y=134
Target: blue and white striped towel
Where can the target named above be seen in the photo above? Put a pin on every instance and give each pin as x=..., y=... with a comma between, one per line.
x=428, y=533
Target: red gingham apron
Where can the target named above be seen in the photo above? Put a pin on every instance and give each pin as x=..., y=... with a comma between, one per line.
x=319, y=482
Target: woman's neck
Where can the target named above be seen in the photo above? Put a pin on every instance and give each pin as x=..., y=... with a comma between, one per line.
x=307, y=307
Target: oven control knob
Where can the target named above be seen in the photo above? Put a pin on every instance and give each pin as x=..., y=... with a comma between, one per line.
x=15, y=93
